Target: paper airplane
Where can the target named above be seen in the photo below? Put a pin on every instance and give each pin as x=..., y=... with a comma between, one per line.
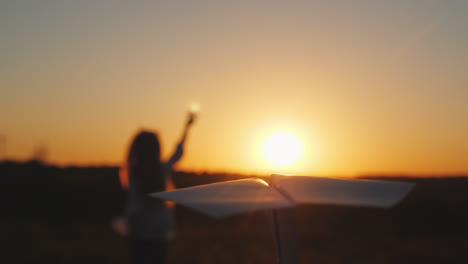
x=234, y=197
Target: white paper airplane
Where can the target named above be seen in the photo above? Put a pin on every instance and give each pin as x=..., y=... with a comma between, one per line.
x=234, y=197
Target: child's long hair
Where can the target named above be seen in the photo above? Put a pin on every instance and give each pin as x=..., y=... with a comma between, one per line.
x=143, y=164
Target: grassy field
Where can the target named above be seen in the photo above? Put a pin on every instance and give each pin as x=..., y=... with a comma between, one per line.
x=62, y=215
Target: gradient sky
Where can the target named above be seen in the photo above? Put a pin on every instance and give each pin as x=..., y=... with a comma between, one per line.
x=368, y=86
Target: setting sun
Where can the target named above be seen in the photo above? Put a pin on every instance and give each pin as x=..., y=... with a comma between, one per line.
x=282, y=149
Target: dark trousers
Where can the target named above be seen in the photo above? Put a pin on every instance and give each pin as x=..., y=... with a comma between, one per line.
x=148, y=251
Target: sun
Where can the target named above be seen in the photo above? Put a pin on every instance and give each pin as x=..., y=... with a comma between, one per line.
x=282, y=149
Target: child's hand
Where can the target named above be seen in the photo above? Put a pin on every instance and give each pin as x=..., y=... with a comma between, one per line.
x=119, y=225
x=191, y=119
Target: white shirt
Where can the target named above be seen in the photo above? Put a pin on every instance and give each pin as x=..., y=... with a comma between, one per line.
x=146, y=216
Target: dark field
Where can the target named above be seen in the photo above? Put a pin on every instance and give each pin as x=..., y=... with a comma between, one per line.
x=62, y=215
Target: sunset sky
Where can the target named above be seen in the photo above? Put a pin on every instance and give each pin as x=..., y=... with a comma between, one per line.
x=366, y=86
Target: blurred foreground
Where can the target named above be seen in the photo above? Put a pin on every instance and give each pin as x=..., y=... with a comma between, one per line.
x=62, y=215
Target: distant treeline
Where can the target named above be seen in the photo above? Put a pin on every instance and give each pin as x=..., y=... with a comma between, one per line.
x=36, y=190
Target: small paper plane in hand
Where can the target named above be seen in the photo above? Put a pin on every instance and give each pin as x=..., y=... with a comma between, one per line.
x=240, y=196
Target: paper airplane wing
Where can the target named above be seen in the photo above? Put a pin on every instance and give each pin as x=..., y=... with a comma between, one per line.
x=227, y=198
x=305, y=189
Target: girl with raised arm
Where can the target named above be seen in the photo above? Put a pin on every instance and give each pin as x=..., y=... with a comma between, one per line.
x=148, y=222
